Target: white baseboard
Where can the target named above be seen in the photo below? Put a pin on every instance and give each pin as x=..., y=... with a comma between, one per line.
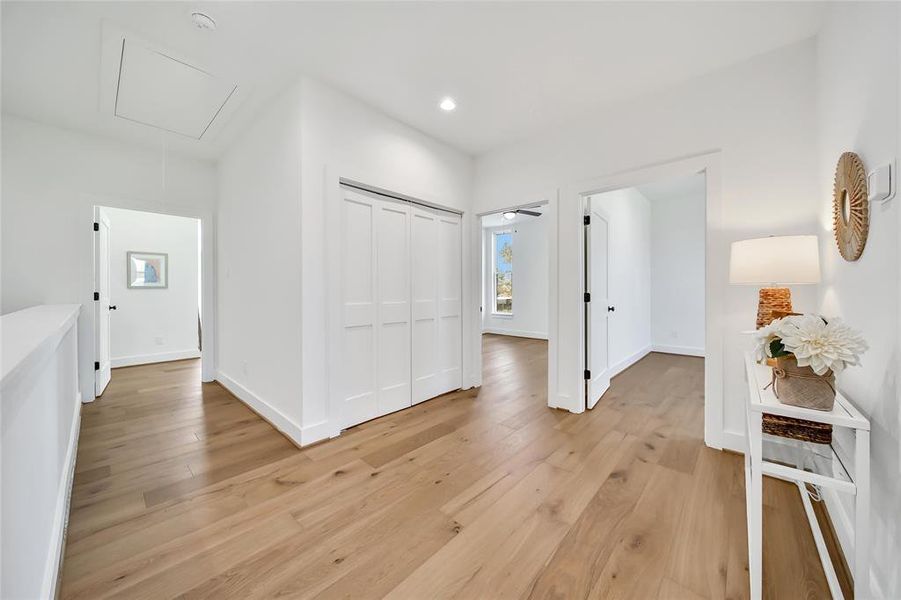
x=53, y=566
x=843, y=523
x=565, y=402
x=734, y=441
x=147, y=359
x=686, y=350
x=275, y=417
x=316, y=432
x=629, y=361
x=537, y=335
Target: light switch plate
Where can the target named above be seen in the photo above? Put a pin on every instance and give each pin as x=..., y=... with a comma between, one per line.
x=881, y=183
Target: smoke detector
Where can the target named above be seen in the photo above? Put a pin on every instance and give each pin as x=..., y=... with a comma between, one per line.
x=203, y=21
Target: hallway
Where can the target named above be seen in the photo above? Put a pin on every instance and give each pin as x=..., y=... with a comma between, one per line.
x=180, y=489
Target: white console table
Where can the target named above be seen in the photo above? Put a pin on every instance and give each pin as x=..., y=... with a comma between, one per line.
x=803, y=463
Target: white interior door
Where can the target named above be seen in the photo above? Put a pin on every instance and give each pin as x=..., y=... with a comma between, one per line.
x=393, y=284
x=425, y=273
x=102, y=302
x=358, y=390
x=597, y=233
x=450, y=281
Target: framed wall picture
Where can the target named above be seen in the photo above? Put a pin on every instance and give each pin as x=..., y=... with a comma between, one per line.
x=148, y=270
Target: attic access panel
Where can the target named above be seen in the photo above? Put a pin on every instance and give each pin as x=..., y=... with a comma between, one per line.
x=160, y=91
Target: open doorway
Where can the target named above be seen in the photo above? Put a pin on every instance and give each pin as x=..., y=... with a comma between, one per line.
x=644, y=276
x=515, y=297
x=147, y=282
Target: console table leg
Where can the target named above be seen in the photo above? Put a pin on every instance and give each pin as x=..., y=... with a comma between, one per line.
x=862, y=515
x=755, y=507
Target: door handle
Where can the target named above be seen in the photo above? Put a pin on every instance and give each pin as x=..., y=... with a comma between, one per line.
x=611, y=309
x=112, y=307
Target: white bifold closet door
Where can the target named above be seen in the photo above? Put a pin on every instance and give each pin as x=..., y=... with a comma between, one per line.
x=375, y=304
x=400, y=305
x=393, y=288
x=437, y=303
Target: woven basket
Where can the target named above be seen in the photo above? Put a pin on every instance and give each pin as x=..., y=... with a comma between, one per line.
x=797, y=429
x=800, y=386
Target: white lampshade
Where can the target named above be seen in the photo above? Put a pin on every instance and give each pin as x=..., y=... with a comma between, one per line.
x=786, y=260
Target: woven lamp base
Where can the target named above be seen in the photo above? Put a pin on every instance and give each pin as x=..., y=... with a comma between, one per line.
x=773, y=302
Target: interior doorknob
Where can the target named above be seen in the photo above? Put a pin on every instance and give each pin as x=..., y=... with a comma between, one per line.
x=611, y=309
x=112, y=307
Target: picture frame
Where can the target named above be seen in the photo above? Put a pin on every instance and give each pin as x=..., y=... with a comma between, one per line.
x=147, y=270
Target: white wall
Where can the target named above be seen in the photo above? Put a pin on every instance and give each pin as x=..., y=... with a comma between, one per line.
x=678, y=229
x=154, y=325
x=530, y=280
x=342, y=137
x=259, y=244
x=858, y=111
x=629, y=275
x=759, y=115
x=277, y=182
x=52, y=178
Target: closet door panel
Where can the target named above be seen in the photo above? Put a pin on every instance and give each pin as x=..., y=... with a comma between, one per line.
x=393, y=283
x=400, y=305
x=450, y=304
x=424, y=246
x=358, y=294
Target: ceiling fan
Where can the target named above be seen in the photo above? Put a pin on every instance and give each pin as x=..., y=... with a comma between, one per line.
x=511, y=214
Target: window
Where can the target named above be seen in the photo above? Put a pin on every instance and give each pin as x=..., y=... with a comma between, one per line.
x=503, y=273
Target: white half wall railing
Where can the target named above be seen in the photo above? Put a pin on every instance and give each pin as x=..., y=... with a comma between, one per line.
x=40, y=415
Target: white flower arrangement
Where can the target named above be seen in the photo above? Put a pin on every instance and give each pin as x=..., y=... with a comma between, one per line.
x=821, y=344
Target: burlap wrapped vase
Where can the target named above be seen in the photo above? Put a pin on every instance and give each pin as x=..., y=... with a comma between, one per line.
x=800, y=386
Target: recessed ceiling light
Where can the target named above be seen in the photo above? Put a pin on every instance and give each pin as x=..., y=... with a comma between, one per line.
x=448, y=104
x=203, y=21
x=510, y=215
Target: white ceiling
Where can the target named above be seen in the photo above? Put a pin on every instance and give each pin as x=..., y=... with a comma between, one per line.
x=514, y=68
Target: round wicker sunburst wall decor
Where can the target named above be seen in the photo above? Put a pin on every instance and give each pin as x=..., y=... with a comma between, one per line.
x=850, y=206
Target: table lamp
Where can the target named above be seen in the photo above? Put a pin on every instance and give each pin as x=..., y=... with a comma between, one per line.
x=773, y=262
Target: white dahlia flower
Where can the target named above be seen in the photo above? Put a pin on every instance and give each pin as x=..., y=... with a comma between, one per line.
x=821, y=345
x=765, y=335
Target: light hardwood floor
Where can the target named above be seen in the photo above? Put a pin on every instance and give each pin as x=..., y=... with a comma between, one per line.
x=180, y=490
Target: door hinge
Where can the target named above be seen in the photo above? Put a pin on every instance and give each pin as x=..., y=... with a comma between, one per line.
x=587, y=296
x=96, y=366
x=96, y=296
x=587, y=375
x=586, y=220
x=96, y=226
